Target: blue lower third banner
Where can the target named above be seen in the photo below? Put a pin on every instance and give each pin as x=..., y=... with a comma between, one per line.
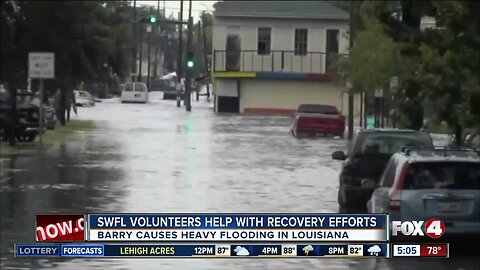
x=206, y=250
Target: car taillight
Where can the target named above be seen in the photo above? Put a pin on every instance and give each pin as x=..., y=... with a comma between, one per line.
x=396, y=190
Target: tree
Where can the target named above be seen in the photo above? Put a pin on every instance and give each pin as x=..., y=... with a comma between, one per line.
x=450, y=65
x=86, y=37
x=437, y=67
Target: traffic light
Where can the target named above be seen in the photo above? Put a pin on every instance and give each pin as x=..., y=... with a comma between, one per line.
x=153, y=19
x=190, y=60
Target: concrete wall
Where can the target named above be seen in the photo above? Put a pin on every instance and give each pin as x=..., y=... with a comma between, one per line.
x=285, y=96
x=282, y=38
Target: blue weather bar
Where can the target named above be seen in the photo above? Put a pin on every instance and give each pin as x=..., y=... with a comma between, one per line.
x=237, y=221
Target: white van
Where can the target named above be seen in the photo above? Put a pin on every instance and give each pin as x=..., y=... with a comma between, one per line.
x=135, y=92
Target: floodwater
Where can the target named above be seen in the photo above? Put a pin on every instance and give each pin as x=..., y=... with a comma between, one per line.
x=156, y=157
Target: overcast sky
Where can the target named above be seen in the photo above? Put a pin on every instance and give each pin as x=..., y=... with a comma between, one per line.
x=174, y=7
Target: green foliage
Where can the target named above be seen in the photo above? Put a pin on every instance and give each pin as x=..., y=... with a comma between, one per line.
x=438, y=69
x=450, y=65
x=84, y=35
x=373, y=59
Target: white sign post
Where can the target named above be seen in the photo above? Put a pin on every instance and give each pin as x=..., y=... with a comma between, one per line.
x=41, y=65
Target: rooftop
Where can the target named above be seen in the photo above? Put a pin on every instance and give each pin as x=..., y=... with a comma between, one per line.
x=280, y=9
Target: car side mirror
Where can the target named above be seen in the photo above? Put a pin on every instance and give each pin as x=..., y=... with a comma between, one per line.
x=368, y=184
x=339, y=155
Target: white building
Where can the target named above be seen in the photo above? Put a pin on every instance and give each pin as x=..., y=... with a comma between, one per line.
x=272, y=56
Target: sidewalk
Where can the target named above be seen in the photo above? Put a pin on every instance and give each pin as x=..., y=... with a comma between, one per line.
x=51, y=137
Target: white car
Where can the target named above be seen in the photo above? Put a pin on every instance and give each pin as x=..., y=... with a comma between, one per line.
x=84, y=99
x=135, y=92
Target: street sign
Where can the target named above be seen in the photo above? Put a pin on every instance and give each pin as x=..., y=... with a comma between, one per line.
x=41, y=65
x=349, y=85
x=379, y=92
x=393, y=84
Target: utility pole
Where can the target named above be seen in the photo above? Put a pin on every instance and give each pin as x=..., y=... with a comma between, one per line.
x=197, y=52
x=180, y=57
x=134, y=48
x=149, y=30
x=141, y=55
x=13, y=113
x=157, y=33
x=205, y=53
x=350, y=91
x=188, y=75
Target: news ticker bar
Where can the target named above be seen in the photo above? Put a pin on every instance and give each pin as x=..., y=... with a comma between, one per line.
x=202, y=250
x=232, y=250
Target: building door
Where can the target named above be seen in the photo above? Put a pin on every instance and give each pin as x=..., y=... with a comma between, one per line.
x=331, y=49
x=228, y=100
x=233, y=49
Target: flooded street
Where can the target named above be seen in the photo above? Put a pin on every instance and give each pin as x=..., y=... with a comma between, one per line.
x=159, y=158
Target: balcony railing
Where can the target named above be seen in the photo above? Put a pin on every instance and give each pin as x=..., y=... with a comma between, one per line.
x=276, y=61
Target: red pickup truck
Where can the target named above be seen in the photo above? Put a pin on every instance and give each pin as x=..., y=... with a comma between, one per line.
x=313, y=119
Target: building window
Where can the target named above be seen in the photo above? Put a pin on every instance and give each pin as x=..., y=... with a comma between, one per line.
x=264, y=40
x=301, y=40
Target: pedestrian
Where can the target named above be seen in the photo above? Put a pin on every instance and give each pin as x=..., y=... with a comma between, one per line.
x=58, y=105
x=70, y=100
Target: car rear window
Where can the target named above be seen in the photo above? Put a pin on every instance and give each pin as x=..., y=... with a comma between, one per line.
x=443, y=175
x=139, y=88
x=128, y=87
x=390, y=143
x=313, y=108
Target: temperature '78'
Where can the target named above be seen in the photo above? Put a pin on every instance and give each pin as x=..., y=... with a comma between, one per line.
x=433, y=250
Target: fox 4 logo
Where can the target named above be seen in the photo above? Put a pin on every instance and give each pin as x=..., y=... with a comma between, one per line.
x=433, y=228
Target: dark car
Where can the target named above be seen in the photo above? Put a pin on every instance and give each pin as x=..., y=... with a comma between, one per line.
x=27, y=126
x=368, y=155
x=313, y=119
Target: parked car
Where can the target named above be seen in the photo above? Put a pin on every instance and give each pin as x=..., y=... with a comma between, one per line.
x=135, y=92
x=369, y=152
x=419, y=184
x=471, y=139
x=84, y=98
x=313, y=119
x=26, y=128
x=170, y=90
x=49, y=117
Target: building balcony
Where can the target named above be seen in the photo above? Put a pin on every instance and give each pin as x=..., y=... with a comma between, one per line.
x=275, y=61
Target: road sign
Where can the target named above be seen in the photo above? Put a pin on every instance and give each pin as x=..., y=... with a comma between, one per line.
x=379, y=92
x=393, y=84
x=41, y=65
x=349, y=85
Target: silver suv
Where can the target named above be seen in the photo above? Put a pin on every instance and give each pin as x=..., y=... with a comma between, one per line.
x=432, y=183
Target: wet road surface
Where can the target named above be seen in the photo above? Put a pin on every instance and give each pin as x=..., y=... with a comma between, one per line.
x=158, y=158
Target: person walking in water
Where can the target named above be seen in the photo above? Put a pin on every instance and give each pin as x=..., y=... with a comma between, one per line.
x=63, y=105
x=69, y=103
x=58, y=102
